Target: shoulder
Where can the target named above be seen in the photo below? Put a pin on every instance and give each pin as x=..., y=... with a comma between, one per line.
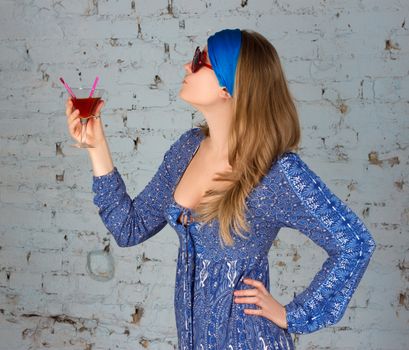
x=303, y=180
x=286, y=161
x=187, y=137
x=182, y=142
x=292, y=169
x=189, y=134
x=290, y=162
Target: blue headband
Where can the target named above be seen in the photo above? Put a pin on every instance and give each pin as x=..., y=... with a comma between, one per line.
x=223, y=49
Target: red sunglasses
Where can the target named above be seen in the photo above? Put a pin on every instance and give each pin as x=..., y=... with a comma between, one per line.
x=199, y=59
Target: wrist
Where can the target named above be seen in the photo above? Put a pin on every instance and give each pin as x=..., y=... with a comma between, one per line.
x=284, y=318
x=280, y=317
x=101, y=159
x=98, y=145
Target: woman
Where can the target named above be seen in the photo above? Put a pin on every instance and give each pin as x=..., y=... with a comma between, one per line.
x=226, y=224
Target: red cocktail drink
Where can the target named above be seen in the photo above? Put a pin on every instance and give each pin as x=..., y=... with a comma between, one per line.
x=86, y=105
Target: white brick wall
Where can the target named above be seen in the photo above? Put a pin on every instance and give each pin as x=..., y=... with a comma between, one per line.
x=347, y=65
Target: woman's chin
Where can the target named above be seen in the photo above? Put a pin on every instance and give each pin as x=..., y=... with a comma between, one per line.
x=187, y=100
x=183, y=96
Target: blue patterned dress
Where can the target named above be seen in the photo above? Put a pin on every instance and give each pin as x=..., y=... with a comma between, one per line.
x=290, y=195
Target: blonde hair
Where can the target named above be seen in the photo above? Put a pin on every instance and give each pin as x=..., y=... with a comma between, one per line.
x=265, y=124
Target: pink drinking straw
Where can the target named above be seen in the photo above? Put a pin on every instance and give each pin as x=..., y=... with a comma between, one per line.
x=67, y=87
x=94, y=86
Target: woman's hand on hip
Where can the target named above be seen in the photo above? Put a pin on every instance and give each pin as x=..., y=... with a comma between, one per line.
x=269, y=307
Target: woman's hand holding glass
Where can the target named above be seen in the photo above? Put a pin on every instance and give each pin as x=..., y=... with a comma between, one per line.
x=94, y=130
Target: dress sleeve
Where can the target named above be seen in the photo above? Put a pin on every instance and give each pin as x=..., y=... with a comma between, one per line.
x=132, y=221
x=306, y=204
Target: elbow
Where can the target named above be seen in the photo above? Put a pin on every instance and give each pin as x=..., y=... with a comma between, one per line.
x=364, y=244
x=118, y=238
x=119, y=228
x=120, y=233
x=366, y=239
x=129, y=235
x=124, y=238
x=369, y=247
x=123, y=241
x=120, y=244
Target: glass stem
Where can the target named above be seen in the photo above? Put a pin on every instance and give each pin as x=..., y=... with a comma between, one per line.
x=83, y=129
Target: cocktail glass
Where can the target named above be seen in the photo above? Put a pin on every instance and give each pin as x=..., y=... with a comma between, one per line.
x=87, y=107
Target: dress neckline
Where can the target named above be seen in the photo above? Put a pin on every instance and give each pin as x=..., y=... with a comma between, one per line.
x=199, y=139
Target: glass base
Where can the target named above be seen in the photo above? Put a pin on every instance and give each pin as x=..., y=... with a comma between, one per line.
x=82, y=145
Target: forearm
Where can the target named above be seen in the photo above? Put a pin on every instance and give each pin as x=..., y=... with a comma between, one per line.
x=131, y=221
x=101, y=159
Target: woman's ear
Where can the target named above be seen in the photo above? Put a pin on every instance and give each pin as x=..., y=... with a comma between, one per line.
x=224, y=93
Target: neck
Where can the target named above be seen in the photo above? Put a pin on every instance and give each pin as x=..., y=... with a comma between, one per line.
x=219, y=120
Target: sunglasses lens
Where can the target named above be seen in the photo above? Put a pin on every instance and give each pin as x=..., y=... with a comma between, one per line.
x=196, y=60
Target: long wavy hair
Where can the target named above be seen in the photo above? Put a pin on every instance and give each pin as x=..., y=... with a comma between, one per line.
x=265, y=124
